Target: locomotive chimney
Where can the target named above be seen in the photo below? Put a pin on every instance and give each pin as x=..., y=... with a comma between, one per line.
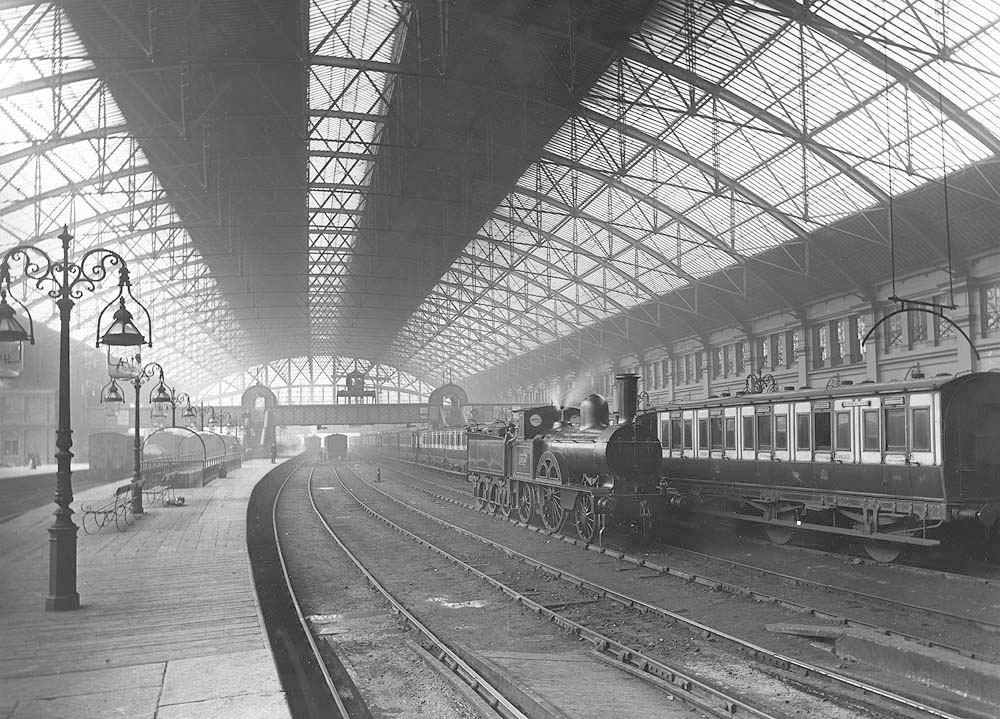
x=627, y=396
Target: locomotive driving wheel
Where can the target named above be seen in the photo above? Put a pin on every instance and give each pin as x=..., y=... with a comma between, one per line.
x=585, y=516
x=551, y=509
x=492, y=498
x=479, y=492
x=525, y=505
x=506, y=500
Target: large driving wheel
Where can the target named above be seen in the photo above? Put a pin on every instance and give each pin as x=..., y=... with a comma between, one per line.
x=492, y=498
x=553, y=514
x=506, y=500
x=525, y=505
x=585, y=516
x=479, y=492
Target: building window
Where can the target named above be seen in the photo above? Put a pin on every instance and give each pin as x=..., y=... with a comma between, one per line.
x=859, y=328
x=716, y=362
x=780, y=354
x=839, y=342
x=689, y=368
x=989, y=297
x=917, y=326
x=820, y=345
x=699, y=364
x=942, y=330
x=892, y=331
x=729, y=360
x=764, y=353
x=795, y=346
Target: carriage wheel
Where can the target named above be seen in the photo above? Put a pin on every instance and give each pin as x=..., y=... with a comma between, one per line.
x=479, y=492
x=506, y=500
x=525, y=505
x=778, y=534
x=492, y=498
x=553, y=514
x=883, y=552
x=585, y=516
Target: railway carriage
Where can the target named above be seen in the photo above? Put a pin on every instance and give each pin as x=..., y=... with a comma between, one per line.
x=335, y=446
x=892, y=464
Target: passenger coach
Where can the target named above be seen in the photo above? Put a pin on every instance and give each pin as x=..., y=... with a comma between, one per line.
x=899, y=463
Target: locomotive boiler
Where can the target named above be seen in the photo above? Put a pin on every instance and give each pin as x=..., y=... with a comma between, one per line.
x=580, y=463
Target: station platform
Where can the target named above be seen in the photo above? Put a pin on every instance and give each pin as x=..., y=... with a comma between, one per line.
x=169, y=625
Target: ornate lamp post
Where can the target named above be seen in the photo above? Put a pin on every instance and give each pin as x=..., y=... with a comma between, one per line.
x=66, y=282
x=159, y=396
x=175, y=400
x=225, y=420
x=200, y=410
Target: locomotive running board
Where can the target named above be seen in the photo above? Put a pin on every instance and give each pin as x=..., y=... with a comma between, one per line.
x=898, y=538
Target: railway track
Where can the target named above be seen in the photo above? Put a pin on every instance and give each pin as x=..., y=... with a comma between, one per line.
x=320, y=685
x=852, y=683
x=752, y=574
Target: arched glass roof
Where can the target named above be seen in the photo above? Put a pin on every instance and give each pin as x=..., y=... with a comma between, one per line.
x=66, y=158
x=723, y=131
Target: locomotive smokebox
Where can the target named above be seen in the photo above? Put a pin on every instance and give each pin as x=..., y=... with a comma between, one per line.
x=627, y=396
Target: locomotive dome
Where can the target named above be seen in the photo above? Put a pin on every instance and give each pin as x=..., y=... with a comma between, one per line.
x=594, y=412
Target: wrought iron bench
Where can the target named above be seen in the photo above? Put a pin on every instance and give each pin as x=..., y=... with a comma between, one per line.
x=119, y=509
x=164, y=491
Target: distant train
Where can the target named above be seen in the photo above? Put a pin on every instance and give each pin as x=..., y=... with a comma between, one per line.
x=311, y=443
x=335, y=446
x=893, y=464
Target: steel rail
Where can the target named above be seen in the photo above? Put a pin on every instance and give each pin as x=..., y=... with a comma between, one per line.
x=479, y=684
x=607, y=592
x=331, y=685
x=681, y=683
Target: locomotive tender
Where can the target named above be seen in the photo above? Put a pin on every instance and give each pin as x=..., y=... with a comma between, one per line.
x=573, y=461
x=891, y=463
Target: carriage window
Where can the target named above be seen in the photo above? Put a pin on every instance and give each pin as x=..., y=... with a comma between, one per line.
x=730, y=433
x=895, y=429
x=764, y=431
x=688, y=434
x=702, y=434
x=676, y=434
x=748, y=433
x=802, y=431
x=716, y=427
x=870, y=420
x=781, y=431
x=822, y=431
x=844, y=430
x=921, y=429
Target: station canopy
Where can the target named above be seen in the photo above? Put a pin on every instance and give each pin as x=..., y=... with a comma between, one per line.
x=442, y=187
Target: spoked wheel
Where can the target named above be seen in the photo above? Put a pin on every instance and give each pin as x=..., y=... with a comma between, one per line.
x=585, y=516
x=492, y=498
x=553, y=514
x=777, y=534
x=506, y=501
x=882, y=552
x=525, y=505
x=479, y=492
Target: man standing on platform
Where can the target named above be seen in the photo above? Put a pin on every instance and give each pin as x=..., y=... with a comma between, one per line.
x=274, y=452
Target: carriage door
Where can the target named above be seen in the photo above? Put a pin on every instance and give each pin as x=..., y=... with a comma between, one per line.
x=782, y=433
x=869, y=429
x=802, y=421
x=923, y=420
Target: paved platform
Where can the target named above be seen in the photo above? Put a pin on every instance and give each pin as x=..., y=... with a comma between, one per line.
x=169, y=625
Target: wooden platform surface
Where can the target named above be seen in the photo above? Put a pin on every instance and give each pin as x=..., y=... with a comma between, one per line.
x=169, y=624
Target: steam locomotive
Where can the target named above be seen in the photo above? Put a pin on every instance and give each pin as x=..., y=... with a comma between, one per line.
x=572, y=462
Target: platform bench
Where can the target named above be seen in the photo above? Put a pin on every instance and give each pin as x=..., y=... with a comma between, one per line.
x=164, y=491
x=95, y=516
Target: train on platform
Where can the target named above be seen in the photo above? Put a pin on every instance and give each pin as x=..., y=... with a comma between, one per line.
x=910, y=464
